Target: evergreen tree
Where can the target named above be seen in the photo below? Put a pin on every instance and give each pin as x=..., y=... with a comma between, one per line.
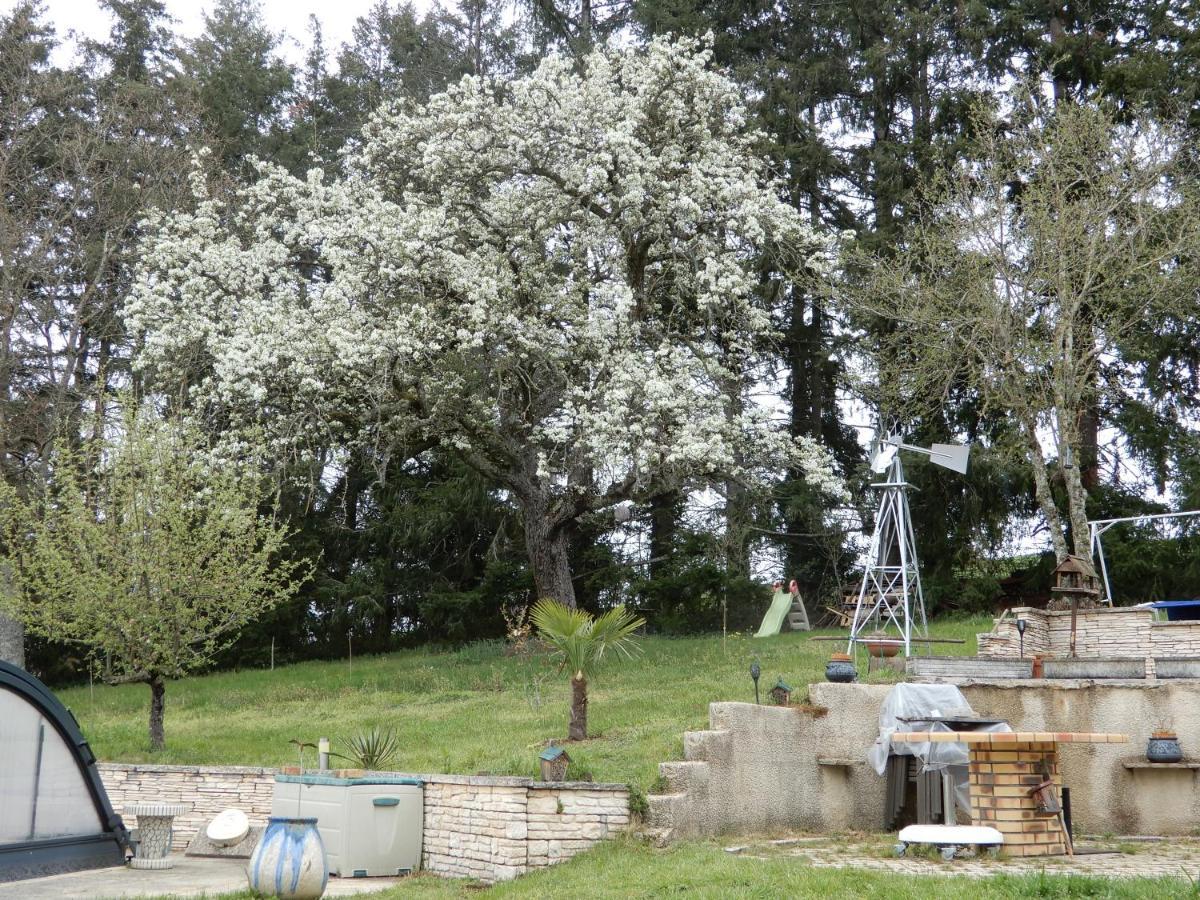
x=242, y=84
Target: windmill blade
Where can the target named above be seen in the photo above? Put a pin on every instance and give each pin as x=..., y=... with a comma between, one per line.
x=950, y=456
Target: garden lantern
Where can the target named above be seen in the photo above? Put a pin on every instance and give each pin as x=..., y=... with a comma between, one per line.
x=755, y=671
x=554, y=761
x=781, y=694
x=1021, y=632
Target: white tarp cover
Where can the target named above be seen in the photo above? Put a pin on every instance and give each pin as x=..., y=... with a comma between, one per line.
x=916, y=701
x=913, y=702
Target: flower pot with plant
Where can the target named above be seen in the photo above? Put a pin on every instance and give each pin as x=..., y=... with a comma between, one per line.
x=840, y=669
x=1163, y=746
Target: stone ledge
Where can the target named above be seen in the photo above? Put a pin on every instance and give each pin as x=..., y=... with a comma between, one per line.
x=186, y=770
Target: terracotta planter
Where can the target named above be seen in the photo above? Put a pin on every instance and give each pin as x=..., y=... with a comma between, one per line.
x=882, y=647
x=289, y=861
x=840, y=669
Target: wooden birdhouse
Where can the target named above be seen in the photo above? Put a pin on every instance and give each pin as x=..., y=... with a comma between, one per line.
x=781, y=694
x=1075, y=584
x=554, y=762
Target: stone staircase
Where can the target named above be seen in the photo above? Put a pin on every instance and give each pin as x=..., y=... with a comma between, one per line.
x=684, y=781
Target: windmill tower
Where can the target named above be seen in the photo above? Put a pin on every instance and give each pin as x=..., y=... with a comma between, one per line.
x=890, y=599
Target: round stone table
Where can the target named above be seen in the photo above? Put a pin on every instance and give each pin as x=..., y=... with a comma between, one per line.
x=154, y=833
x=1005, y=770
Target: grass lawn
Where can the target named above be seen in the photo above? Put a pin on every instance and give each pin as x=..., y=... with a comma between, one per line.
x=629, y=868
x=466, y=711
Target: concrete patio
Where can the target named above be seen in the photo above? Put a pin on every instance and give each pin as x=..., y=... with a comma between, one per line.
x=191, y=877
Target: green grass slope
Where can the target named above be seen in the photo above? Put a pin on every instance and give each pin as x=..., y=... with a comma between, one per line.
x=477, y=709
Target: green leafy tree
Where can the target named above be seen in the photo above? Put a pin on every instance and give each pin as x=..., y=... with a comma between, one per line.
x=1070, y=236
x=581, y=640
x=152, y=560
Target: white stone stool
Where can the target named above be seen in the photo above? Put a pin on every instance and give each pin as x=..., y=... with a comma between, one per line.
x=154, y=833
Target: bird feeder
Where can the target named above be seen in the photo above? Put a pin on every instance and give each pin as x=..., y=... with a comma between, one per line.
x=781, y=694
x=554, y=762
x=1075, y=583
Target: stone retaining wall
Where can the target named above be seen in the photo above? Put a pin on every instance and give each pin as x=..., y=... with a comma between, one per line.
x=1118, y=632
x=487, y=827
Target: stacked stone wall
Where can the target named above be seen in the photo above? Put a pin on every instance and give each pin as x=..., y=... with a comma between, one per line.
x=492, y=828
x=1110, y=633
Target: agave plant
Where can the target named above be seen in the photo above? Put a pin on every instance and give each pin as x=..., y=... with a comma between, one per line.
x=581, y=640
x=372, y=750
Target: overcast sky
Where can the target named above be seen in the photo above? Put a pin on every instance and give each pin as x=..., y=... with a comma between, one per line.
x=290, y=16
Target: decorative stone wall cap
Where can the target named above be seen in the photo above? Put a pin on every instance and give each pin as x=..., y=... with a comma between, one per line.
x=187, y=770
x=157, y=809
x=1011, y=737
x=579, y=786
x=317, y=778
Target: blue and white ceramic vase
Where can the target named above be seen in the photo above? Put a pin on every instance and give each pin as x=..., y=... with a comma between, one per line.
x=1164, y=750
x=840, y=669
x=289, y=860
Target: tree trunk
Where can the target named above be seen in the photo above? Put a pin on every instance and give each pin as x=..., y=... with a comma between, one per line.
x=547, y=547
x=1042, y=489
x=157, y=691
x=577, y=730
x=1077, y=508
x=666, y=510
x=12, y=641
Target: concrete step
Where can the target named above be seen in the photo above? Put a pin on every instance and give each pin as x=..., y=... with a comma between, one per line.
x=706, y=745
x=662, y=808
x=689, y=776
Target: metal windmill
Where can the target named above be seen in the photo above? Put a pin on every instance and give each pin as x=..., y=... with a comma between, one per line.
x=890, y=598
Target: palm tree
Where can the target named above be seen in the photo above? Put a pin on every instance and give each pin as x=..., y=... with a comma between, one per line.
x=581, y=640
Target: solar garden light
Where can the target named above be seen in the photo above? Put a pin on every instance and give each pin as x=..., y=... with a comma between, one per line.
x=755, y=671
x=1021, y=632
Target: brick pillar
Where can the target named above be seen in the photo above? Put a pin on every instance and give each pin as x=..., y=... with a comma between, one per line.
x=1000, y=778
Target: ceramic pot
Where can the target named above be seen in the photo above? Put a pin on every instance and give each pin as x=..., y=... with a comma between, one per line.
x=881, y=648
x=289, y=860
x=840, y=669
x=1164, y=750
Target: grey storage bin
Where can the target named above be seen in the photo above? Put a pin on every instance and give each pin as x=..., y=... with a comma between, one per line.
x=370, y=825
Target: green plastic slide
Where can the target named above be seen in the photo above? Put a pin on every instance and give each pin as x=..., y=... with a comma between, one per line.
x=773, y=620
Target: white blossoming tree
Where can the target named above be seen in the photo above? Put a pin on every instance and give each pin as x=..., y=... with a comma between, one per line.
x=560, y=277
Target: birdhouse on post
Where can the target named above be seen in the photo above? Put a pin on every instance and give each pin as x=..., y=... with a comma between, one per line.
x=781, y=694
x=1075, y=584
x=554, y=762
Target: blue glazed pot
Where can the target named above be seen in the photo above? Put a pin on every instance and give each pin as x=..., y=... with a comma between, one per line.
x=840, y=671
x=1163, y=750
x=289, y=860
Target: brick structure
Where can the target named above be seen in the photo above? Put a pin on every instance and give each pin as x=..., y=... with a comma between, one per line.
x=1000, y=781
x=1127, y=632
x=1003, y=771
x=488, y=827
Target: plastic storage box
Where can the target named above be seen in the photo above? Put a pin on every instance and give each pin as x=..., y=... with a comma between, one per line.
x=370, y=825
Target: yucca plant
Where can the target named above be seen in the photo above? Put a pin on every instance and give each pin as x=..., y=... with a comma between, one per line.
x=372, y=750
x=581, y=640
